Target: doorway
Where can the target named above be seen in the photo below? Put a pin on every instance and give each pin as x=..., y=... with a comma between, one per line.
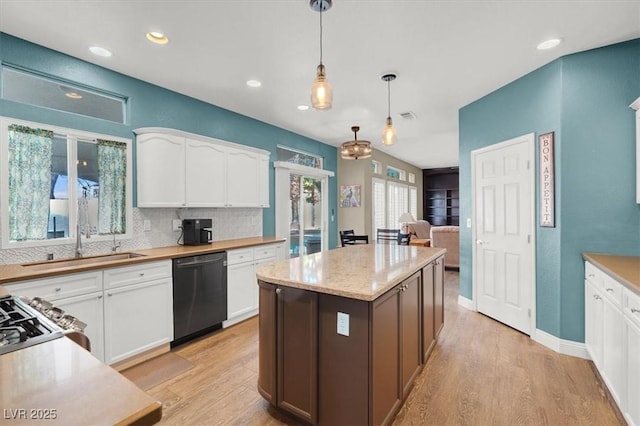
x=503, y=201
x=302, y=207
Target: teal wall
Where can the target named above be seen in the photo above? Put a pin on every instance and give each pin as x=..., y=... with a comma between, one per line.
x=153, y=106
x=584, y=99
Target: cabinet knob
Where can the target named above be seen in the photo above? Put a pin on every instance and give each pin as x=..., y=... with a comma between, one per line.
x=109, y=294
x=142, y=274
x=635, y=311
x=100, y=296
x=278, y=290
x=58, y=288
x=591, y=275
x=610, y=290
x=595, y=296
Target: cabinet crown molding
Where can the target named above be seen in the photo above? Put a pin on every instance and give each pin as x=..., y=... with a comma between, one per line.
x=635, y=105
x=182, y=133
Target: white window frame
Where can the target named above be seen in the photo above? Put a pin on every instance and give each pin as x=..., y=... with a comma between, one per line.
x=374, y=210
x=402, y=192
x=72, y=138
x=413, y=202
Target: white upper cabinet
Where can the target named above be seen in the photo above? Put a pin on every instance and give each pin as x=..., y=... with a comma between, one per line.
x=180, y=169
x=161, y=170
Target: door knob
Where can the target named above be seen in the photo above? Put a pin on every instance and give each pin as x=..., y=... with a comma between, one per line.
x=479, y=242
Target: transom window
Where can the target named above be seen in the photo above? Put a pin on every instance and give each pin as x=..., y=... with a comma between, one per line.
x=397, y=174
x=58, y=182
x=302, y=158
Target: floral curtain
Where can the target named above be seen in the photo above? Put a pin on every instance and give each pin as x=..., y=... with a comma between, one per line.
x=112, y=172
x=30, y=157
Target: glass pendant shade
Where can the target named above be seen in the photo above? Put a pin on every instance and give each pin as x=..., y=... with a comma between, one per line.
x=389, y=133
x=355, y=149
x=321, y=91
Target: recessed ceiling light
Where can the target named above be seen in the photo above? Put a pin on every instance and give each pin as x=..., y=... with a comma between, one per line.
x=303, y=107
x=100, y=51
x=157, y=37
x=549, y=44
x=73, y=95
x=253, y=83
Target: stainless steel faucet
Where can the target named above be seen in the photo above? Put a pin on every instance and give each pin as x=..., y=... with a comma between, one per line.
x=115, y=247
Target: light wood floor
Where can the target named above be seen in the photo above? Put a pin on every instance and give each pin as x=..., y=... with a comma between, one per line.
x=480, y=373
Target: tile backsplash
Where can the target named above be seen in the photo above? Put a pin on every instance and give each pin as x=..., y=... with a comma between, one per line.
x=228, y=223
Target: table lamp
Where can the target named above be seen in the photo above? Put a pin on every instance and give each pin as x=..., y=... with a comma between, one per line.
x=404, y=219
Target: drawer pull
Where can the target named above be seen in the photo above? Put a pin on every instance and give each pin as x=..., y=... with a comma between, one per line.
x=610, y=290
x=58, y=288
x=635, y=311
x=595, y=296
x=142, y=274
x=592, y=275
x=109, y=294
x=100, y=297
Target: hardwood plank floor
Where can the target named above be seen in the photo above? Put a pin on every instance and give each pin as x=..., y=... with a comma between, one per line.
x=480, y=373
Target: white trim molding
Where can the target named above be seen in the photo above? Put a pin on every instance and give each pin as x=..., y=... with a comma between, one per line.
x=466, y=303
x=565, y=347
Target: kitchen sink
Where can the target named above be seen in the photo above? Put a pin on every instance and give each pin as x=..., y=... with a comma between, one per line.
x=79, y=261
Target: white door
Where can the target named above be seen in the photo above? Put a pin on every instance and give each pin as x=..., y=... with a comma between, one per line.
x=503, y=262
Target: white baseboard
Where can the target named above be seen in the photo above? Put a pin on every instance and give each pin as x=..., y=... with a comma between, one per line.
x=239, y=318
x=466, y=303
x=566, y=347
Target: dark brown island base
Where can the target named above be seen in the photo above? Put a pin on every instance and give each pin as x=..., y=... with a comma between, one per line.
x=343, y=333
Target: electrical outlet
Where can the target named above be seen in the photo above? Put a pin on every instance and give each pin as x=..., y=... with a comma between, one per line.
x=343, y=324
x=146, y=225
x=177, y=224
x=468, y=222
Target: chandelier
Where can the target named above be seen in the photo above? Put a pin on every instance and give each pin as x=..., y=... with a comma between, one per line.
x=352, y=150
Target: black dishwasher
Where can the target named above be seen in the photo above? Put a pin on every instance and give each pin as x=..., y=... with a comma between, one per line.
x=199, y=295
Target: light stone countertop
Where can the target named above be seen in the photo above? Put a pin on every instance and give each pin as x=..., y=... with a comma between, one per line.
x=19, y=272
x=362, y=272
x=624, y=269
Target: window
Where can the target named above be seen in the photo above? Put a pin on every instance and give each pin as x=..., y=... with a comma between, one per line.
x=397, y=203
x=412, y=178
x=413, y=202
x=291, y=155
x=376, y=167
x=396, y=174
x=379, y=205
x=57, y=182
x=28, y=88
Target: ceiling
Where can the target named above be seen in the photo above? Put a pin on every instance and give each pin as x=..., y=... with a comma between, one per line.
x=447, y=54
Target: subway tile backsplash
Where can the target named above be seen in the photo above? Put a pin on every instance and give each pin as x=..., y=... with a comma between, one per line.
x=228, y=223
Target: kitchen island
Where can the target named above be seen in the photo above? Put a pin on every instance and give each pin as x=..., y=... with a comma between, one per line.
x=343, y=333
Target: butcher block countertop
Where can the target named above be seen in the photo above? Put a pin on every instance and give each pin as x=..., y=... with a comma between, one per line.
x=58, y=382
x=362, y=272
x=17, y=272
x=624, y=269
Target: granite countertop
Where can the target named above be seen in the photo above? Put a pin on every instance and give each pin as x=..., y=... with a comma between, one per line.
x=362, y=272
x=624, y=269
x=58, y=382
x=17, y=272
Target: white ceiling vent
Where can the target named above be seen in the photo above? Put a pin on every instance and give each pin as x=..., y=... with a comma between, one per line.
x=409, y=115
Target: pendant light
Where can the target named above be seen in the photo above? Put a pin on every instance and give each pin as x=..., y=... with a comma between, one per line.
x=389, y=132
x=352, y=150
x=321, y=91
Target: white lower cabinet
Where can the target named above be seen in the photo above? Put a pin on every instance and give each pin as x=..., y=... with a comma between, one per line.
x=137, y=318
x=632, y=357
x=89, y=309
x=242, y=285
x=612, y=338
x=127, y=309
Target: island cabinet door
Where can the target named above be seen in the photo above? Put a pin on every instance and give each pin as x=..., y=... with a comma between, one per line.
x=428, y=316
x=438, y=281
x=410, y=338
x=385, y=392
x=267, y=337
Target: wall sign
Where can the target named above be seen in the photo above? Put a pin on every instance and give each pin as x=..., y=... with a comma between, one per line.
x=547, y=183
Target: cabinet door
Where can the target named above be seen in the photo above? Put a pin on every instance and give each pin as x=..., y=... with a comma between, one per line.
x=297, y=333
x=88, y=308
x=410, y=348
x=632, y=411
x=242, y=178
x=267, y=338
x=263, y=181
x=242, y=291
x=206, y=174
x=428, y=316
x=438, y=283
x=160, y=170
x=386, y=395
x=137, y=318
x=612, y=350
x=594, y=321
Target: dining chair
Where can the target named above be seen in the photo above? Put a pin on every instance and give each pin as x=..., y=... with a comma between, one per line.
x=387, y=236
x=350, y=240
x=404, y=239
x=345, y=233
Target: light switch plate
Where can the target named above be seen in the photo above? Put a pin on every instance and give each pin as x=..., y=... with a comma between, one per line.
x=468, y=222
x=343, y=323
x=146, y=225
